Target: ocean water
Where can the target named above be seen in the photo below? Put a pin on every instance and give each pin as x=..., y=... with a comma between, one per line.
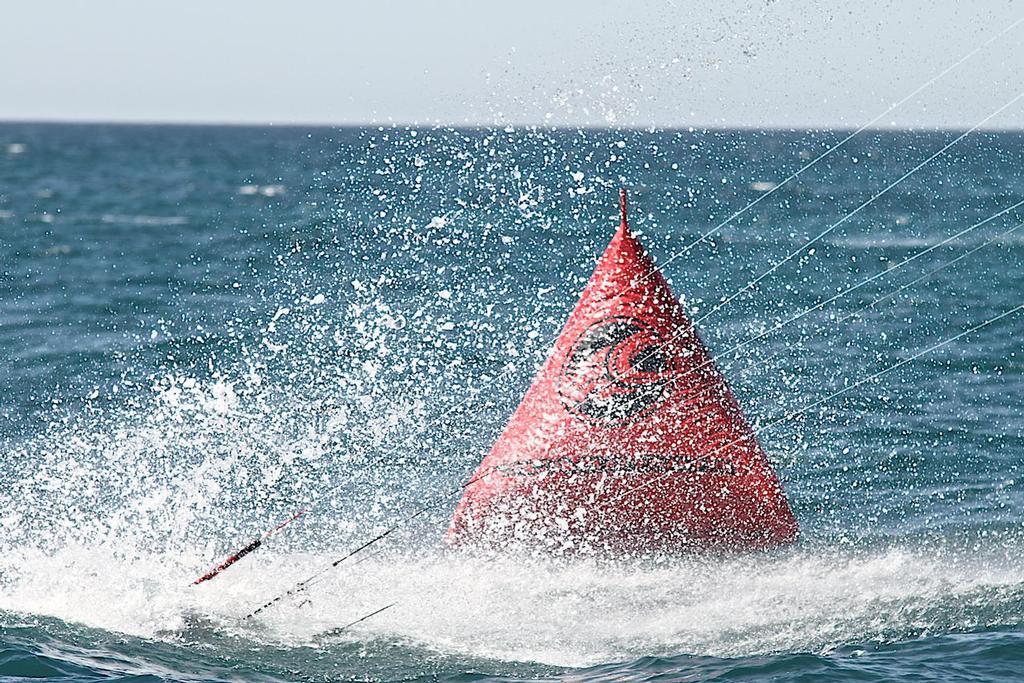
x=204, y=329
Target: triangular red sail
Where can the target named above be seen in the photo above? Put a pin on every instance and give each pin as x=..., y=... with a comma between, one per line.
x=629, y=439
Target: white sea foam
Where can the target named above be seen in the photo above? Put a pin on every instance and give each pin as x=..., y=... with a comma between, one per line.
x=264, y=190
x=567, y=613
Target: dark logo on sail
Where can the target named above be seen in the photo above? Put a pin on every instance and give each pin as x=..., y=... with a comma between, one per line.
x=616, y=371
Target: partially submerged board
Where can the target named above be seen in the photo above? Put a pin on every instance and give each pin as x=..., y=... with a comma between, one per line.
x=629, y=438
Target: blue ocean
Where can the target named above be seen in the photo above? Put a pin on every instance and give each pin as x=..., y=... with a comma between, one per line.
x=205, y=329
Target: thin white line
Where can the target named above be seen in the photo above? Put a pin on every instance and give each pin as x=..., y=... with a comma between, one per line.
x=763, y=361
x=880, y=274
x=795, y=413
x=829, y=229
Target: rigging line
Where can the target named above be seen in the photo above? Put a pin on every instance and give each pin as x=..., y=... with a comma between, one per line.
x=931, y=272
x=778, y=326
x=256, y=543
x=851, y=214
x=819, y=402
x=341, y=629
x=312, y=578
x=280, y=526
x=365, y=558
x=840, y=144
x=362, y=619
x=866, y=281
x=302, y=585
x=764, y=361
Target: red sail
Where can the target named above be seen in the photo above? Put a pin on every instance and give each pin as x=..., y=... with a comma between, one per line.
x=629, y=439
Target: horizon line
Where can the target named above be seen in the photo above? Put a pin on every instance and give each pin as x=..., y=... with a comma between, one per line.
x=417, y=125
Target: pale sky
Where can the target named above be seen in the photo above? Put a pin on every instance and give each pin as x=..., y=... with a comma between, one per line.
x=668, y=63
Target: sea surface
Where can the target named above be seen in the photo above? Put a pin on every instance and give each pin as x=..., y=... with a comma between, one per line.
x=204, y=329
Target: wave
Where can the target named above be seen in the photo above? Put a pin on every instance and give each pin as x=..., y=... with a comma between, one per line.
x=262, y=190
x=144, y=220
